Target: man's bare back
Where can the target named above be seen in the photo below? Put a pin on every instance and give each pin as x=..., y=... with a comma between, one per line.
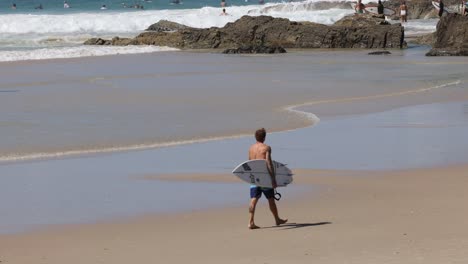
x=259, y=151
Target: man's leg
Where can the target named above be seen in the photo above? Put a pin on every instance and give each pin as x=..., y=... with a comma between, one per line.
x=253, y=204
x=274, y=211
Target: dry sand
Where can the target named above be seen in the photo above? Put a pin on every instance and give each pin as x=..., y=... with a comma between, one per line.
x=411, y=216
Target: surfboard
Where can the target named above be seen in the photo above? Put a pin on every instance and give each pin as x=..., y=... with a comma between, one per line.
x=436, y=5
x=374, y=10
x=255, y=172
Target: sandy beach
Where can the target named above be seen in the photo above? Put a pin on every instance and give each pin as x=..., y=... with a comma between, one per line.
x=408, y=216
x=123, y=154
x=379, y=179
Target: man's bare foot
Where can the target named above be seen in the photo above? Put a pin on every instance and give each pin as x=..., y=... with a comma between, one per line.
x=253, y=226
x=281, y=221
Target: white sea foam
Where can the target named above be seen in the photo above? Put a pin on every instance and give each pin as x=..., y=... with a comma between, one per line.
x=74, y=52
x=420, y=26
x=132, y=22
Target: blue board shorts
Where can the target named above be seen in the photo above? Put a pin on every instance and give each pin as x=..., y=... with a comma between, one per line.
x=256, y=192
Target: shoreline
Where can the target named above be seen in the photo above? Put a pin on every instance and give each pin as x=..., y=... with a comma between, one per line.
x=123, y=185
x=383, y=217
x=309, y=120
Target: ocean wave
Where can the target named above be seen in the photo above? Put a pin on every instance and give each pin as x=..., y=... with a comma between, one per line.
x=74, y=52
x=93, y=23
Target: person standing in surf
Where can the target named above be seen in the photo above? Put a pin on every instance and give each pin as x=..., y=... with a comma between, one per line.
x=380, y=8
x=260, y=150
x=403, y=12
x=441, y=8
x=359, y=8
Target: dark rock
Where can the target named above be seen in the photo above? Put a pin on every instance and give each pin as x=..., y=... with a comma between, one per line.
x=362, y=20
x=120, y=41
x=447, y=52
x=166, y=26
x=383, y=52
x=103, y=42
x=367, y=32
x=451, y=37
x=97, y=41
x=255, y=50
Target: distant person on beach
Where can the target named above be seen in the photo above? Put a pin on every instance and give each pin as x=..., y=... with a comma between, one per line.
x=39, y=7
x=441, y=8
x=380, y=8
x=224, y=12
x=359, y=8
x=13, y=6
x=66, y=5
x=403, y=12
x=260, y=150
x=103, y=7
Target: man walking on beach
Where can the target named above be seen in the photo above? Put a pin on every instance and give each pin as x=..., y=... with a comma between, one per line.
x=260, y=150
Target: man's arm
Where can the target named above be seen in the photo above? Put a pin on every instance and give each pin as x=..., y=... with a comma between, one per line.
x=270, y=167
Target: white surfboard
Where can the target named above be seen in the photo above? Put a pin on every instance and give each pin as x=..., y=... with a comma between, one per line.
x=256, y=172
x=436, y=5
x=374, y=10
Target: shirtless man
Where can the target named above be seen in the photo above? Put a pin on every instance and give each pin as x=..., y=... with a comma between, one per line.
x=403, y=12
x=359, y=8
x=260, y=150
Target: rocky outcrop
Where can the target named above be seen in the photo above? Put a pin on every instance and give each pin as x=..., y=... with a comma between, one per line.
x=364, y=31
x=116, y=41
x=362, y=20
x=451, y=37
x=166, y=26
x=383, y=52
x=255, y=50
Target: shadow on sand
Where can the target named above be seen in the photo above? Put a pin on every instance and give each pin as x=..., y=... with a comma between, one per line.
x=298, y=225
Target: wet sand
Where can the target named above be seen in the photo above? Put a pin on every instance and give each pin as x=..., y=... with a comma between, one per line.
x=409, y=216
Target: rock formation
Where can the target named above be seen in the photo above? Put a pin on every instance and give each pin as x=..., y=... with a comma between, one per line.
x=164, y=25
x=255, y=49
x=451, y=37
x=382, y=52
x=363, y=31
